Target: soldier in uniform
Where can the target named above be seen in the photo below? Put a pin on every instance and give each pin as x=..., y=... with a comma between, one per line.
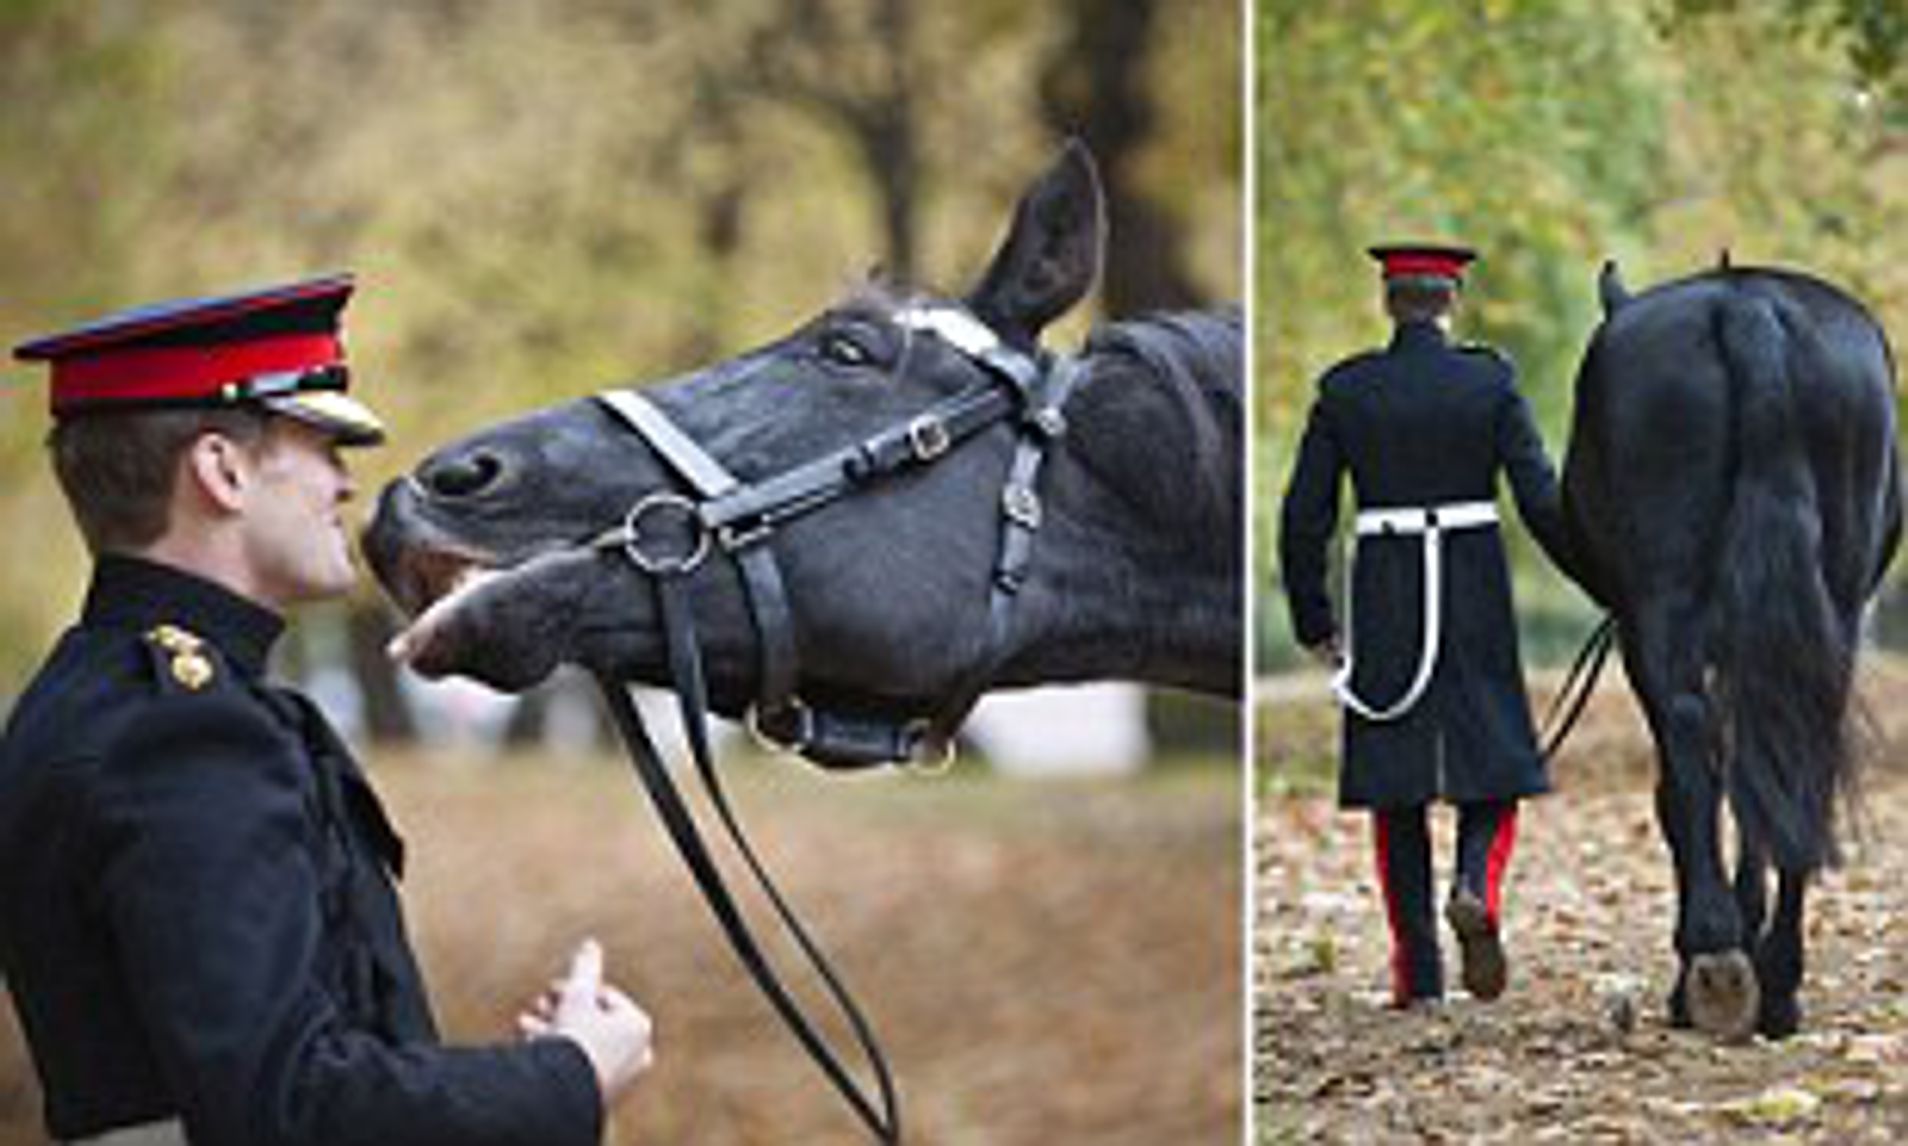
x=1424, y=644
x=198, y=925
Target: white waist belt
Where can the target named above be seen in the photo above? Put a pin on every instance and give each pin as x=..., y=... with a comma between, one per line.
x=168, y=1133
x=1428, y=523
x=1413, y=520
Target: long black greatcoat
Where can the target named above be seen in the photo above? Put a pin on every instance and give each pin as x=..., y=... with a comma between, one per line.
x=1423, y=423
x=197, y=917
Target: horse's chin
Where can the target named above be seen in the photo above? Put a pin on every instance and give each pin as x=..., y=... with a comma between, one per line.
x=507, y=627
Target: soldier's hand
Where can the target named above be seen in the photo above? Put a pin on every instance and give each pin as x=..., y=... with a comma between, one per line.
x=1327, y=652
x=610, y=1028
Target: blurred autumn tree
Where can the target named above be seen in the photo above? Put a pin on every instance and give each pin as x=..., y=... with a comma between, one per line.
x=1551, y=134
x=1872, y=34
x=544, y=198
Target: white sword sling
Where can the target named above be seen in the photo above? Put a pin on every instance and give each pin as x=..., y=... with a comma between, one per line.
x=1429, y=525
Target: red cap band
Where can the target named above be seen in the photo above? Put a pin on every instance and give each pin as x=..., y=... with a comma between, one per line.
x=183, y=373
x=1423, y=263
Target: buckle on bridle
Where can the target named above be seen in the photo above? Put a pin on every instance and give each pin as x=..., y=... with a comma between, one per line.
x=1021, y=505
x=664, y=564
x=928, y=754
x=928, y=437
x=1049, y=422
x=801, y=738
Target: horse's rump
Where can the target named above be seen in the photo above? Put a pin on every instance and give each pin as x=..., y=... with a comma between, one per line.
x=1733, y=465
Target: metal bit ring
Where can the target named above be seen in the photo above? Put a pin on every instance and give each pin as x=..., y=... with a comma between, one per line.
x=664, y=564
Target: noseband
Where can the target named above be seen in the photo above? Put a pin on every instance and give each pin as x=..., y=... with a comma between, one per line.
x=740, y=518
x=668, y=535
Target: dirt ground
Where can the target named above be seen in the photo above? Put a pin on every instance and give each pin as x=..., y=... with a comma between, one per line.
x=1045, y=962
x=1578, y=1050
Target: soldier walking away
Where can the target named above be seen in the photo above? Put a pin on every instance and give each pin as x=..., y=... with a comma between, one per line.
x=198, y=923
x=1424, y=644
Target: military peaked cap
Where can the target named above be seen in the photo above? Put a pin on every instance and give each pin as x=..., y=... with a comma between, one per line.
x=1435, y=260
x=279, y=348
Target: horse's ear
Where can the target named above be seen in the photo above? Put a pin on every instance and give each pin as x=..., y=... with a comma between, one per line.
x=1051, y=256
x=1610, y=288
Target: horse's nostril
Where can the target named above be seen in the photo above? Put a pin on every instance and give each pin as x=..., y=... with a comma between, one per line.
x=461, y=476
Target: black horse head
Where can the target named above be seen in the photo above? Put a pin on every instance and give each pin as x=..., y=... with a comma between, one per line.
x=1135, y=573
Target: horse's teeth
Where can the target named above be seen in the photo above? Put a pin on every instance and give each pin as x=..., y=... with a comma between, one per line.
x=470, y=577
x=407, y=645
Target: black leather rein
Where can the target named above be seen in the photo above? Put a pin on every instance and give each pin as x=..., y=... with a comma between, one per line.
x=667, y=535
x=1567, y=706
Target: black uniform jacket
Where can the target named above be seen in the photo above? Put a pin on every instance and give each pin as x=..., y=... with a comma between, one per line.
x=197, y=917
x=1423, y=423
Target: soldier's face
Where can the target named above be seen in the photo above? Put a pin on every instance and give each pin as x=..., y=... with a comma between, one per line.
x=295, y=537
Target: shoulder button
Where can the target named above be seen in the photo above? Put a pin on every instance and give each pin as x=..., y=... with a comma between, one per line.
x=184, y=652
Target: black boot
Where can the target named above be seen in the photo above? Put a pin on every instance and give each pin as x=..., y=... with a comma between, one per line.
x=1486, y=971
x=1485, y=834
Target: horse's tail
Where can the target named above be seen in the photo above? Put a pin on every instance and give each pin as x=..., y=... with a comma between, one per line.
x=1782, y=665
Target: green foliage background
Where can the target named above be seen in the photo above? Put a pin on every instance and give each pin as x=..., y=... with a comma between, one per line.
x=1551, y=134
x=540, y=198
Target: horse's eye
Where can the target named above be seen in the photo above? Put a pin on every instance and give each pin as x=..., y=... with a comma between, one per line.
x=843, y=350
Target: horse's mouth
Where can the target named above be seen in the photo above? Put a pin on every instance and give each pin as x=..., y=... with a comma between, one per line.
x=505, y=621
x=431, y=585
x=422, y=574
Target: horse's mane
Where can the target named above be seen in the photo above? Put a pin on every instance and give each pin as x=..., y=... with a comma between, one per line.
x=1196, y=360
x=1196, y=354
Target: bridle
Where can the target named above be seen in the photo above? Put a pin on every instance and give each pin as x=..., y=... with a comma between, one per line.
x=725, y=514
x=739, y=519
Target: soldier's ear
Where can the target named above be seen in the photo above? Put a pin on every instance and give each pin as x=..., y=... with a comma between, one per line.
x=1610, y=289
x=215, y=472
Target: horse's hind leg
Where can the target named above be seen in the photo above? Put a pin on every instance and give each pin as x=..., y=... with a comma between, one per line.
x=1776, y=944
x=1716, y=983
x=1716, y=986
x=1779, y=960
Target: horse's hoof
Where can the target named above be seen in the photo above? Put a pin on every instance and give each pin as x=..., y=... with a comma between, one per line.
x=1779, y=1017
x=1485, y=969
x=1722, y=994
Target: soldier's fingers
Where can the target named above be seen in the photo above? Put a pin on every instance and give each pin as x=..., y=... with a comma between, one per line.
x=586, y=971
x=533, y=1026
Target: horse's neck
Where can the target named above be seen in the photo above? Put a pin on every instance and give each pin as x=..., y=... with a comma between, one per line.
x=1137, y=574
x=1109, y=616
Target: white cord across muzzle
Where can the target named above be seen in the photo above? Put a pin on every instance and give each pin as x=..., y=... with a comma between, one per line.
x=1429, y=524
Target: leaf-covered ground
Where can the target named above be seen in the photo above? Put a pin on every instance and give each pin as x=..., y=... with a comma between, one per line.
x=1578, y=1050
x=1046, y=962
